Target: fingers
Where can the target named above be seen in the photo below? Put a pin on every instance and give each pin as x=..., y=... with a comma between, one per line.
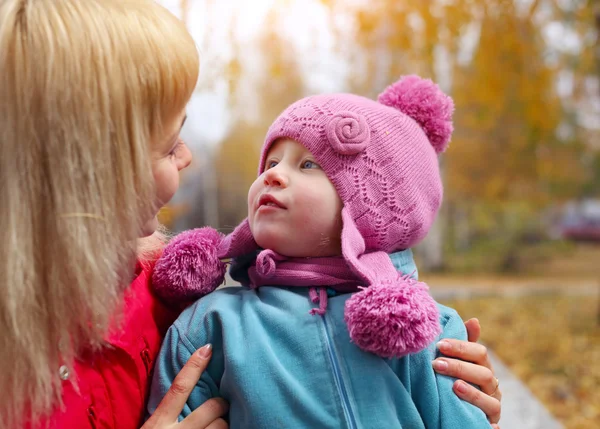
x=495, y=426
x=172, y=404
x=470, y=352
x=469, y=372
x=217, y=424
x=207, y=415
x=473, y=330
x=488, y=404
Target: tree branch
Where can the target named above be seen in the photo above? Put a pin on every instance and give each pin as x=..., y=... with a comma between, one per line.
x=534, y=7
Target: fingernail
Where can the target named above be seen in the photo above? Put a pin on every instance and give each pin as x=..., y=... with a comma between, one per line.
x=440, y=365
x=204, y=351
x=461, y=386
x=444, y=346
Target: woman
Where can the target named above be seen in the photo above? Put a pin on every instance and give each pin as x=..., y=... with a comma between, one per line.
x=92, y=98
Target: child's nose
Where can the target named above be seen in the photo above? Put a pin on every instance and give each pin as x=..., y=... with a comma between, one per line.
x=275, y=177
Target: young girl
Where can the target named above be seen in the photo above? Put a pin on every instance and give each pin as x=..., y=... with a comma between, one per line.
x=92, y=98
x=328, y=333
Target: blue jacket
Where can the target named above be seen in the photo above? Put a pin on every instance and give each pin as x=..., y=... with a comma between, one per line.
x=280, y=367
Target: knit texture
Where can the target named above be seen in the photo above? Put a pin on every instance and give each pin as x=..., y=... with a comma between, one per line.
x=379, y=160
x=382, y=159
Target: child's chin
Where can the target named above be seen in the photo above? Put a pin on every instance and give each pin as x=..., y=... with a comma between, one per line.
x=149, y=228
x=287, y=248
x=272, y=240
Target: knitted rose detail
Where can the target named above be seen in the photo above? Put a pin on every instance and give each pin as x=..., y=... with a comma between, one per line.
x=348, y=133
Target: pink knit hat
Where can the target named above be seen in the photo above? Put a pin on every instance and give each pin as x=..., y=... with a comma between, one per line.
x=382, y=159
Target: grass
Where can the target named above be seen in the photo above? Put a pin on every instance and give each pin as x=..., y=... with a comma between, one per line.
x=552, y=343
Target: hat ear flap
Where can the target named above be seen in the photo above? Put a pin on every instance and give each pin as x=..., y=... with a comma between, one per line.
x=239, y=243
x=353, y=245
x=393, y=315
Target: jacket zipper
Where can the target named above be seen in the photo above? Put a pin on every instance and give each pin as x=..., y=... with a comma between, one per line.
x=339, y=381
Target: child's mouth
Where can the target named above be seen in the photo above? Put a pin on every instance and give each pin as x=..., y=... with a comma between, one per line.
x=270, y=201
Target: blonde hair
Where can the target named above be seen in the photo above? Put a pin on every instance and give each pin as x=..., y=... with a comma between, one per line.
x=84, y=85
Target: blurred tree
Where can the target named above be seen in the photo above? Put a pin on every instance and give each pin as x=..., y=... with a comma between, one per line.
x=505, y=146
x=236, y=166
x=184, y=5
x=519, y=144
x=491, y=57
x=507, y=156
x=256, y=99
x=168, y=214
x=400, y=37
x=280, y=83
x=580, y=21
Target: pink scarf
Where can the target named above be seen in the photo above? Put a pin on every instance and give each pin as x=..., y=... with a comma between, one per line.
x=272, y=269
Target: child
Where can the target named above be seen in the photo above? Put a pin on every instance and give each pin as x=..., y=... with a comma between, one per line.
x=344, y=181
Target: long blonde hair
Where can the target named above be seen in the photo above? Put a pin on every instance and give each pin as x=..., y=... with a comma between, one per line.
x=84, y=85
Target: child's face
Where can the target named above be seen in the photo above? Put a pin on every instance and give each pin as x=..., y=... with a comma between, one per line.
x=169, y=155
x=293, y=208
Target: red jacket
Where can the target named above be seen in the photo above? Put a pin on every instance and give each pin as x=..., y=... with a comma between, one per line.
x=113, y=384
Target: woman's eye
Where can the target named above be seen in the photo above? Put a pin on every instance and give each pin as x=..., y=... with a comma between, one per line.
x=310, y=164
x=176, y=148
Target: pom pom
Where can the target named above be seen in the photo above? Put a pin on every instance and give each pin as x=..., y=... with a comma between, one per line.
x=189, y=267
x=393, y=319
x=424, y=101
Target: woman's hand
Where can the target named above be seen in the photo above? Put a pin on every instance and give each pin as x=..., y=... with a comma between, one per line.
x=471, y=364
x=207, y=416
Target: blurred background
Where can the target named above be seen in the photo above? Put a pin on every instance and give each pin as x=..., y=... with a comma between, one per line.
x=517, y=243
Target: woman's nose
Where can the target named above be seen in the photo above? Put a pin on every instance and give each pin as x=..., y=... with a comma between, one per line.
x=185, y=157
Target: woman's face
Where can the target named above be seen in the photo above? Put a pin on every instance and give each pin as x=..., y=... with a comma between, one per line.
x=169, y=155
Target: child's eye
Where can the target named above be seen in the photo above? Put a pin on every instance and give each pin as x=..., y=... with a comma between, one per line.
x=271, y=164
x=308, y=164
